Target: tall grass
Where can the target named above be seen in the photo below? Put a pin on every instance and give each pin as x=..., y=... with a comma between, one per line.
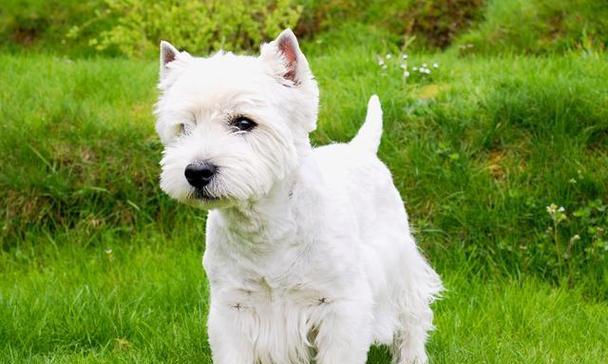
x=539, y=27
x=479, y=149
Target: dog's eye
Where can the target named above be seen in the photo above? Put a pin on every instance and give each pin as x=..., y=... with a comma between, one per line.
x=243, y=124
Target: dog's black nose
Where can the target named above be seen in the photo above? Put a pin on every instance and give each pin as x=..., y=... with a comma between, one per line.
x=199, y=174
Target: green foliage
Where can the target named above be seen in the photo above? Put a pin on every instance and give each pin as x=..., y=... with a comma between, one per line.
x=579, y=240
x=41, y=24
x=199, y=26
x=421, y=23
x=133, y=27
x=539, y=26
x=439, y=22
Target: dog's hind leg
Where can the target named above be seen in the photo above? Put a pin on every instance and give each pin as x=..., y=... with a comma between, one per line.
x=410, y=339
x=416, y=316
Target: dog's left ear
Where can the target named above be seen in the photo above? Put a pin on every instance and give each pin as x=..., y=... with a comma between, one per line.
x=286, y=59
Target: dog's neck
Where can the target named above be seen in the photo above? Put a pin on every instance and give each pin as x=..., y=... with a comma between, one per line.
x=254, y=217
x=273, y=219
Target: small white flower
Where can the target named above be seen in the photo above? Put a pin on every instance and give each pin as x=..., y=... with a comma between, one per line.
x=389, y=56
x=572, y=181
x=561, y=209
x=380, y=62
x=415, y=69
x=424, y=65
x=404, y=56
x=384, y=66
x=108, y=251
x=406, y=74
x=403, y=66
x=435, y=65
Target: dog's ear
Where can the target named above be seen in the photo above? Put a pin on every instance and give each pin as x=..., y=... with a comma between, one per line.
x=168, y=55
x=286, y=58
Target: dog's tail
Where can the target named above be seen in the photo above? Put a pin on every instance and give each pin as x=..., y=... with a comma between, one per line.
x=369, y=135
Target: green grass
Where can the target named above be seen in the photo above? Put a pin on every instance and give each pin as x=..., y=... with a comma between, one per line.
x=146, y=302
x=478, y=150
x=538, y=27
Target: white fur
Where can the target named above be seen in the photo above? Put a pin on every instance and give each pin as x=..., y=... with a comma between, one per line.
x=309, y=253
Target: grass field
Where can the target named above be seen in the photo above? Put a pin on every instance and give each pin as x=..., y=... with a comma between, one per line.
x=98, y=266
x=145, y=302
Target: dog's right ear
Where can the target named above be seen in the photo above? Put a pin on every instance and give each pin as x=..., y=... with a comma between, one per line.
x=168, y=55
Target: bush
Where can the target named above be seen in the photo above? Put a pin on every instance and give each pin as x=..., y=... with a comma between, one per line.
x=434, y=24
x=199, y=26
x=134, y=27
x=439, y=22
x=41, y=24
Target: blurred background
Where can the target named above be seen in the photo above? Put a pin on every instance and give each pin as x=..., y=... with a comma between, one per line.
x=133, y=27
x=496, y=131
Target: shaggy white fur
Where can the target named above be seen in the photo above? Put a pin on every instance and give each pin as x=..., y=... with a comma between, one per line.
x=309, y=253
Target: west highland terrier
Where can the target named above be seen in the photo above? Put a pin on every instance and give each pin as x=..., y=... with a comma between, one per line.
x=309, y=254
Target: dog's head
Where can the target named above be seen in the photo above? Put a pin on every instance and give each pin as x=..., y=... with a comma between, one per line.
x=233, y=126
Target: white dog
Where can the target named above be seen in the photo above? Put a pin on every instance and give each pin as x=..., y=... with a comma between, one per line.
x=309, y=254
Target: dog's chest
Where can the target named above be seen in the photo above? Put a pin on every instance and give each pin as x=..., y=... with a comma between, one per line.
x=288, y=273
x=257, y=293
x=282, y=318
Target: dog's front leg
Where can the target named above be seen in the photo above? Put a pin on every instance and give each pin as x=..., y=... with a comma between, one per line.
x=229, y=345
x=344, y=333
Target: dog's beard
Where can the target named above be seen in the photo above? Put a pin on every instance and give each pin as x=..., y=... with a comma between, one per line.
x=215, y=195
x=203, y=198
x=201, y=194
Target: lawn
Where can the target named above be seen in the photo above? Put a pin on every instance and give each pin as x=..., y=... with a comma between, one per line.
x=145, y=301
x=97, y=265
